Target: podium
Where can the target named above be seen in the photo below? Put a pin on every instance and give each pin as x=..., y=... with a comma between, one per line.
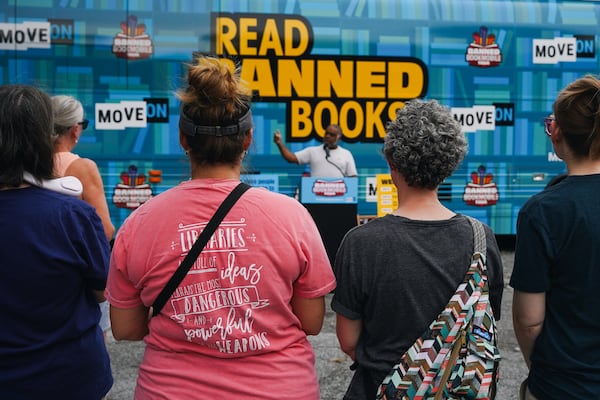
x=332, y=202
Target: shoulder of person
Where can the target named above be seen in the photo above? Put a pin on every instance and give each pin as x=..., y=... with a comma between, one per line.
x=69, y=204
x=85, y=165
x=550, y=197
x=85, y=170
x=368, y=229
x=343, y=149
x=270, y=197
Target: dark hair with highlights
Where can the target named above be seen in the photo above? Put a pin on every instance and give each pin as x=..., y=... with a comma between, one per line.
x=215, y=96
x=424, y=143
x=26, y=129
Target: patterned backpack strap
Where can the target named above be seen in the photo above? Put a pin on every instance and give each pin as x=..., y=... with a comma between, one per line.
x=479, y=244
x=474, y=374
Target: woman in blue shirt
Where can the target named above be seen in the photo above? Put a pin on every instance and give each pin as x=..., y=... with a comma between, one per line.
x=54, y=263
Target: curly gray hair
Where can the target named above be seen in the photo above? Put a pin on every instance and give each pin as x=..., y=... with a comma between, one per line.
x=424, y=143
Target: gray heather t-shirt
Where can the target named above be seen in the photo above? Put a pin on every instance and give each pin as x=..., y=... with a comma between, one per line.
x=396, y=275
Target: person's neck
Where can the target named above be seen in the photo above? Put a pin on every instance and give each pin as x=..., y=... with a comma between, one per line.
x=21, y=186
x=583, y=167
x=63, y=146
x=421, y=204
x=217, y=171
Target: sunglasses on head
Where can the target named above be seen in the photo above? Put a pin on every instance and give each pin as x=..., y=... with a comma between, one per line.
x=548, y=124
x=84, y=124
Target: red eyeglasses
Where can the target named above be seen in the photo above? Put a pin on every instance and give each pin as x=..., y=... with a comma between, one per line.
x=548, y=124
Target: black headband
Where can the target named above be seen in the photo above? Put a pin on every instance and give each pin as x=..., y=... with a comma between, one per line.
x=188, y=127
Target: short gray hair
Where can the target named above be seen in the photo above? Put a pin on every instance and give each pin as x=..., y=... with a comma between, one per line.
x=424, y=143
x=68, y=111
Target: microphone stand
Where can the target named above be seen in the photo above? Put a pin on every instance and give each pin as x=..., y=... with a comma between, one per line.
x=327, y=154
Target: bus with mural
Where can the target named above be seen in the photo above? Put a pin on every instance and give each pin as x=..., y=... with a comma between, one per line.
x=497, y=64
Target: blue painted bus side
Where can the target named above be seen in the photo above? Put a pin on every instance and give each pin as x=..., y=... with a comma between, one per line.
x=497, y=64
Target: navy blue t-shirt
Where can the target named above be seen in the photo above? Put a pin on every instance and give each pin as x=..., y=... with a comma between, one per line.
x=53, y=255
x=558, y=252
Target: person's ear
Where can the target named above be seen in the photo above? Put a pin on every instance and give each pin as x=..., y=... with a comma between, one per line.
x=75, y=132
x=183, y=141
x=557, y=135
x=248, y=139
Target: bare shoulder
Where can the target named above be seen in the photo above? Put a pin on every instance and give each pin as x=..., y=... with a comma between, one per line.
x=83, y=168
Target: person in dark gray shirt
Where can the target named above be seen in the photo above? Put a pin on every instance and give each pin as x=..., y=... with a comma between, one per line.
x=396, y=273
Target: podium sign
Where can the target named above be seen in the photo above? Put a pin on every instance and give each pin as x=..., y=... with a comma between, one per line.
x=315, y=190
x=332, y=202
x=268, y=181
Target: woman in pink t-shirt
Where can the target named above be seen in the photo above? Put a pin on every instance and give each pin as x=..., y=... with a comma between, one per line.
x=237, y=324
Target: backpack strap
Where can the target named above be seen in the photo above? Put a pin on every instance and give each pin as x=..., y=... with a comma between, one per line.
x=479, y=241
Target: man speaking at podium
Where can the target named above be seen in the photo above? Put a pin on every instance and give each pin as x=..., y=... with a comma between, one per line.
x=326, y=161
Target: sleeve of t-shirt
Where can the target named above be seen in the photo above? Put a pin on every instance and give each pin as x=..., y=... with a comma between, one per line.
x=87, y=232
x=120, y=290
x=532, y=248
x=304, y=155
x=351, y=167
x=317, y=278
x=347, y=296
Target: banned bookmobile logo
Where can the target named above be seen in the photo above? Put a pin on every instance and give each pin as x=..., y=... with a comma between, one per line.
x=133, y=190
x=132, y=43
x=274, y=53
x=329, y=188
x=483, y=51
x=481, y=190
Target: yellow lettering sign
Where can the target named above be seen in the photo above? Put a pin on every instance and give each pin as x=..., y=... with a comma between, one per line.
x=358, y=93
x=261, y=35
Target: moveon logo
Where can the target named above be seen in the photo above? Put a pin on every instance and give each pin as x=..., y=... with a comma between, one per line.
x=476, y=118
x=26, y=35
x=126, y=114
x=564, y=49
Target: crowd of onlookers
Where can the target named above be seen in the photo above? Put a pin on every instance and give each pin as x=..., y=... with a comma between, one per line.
x=235, y=322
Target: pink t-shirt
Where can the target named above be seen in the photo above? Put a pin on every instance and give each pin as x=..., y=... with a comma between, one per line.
x=228, y=330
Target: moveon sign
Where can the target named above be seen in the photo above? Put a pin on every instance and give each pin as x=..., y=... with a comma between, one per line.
x=26, y=35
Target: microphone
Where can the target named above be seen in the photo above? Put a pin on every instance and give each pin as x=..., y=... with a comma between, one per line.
x=326, y=150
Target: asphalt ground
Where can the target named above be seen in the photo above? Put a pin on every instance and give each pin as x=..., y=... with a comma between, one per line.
x=332, y=364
